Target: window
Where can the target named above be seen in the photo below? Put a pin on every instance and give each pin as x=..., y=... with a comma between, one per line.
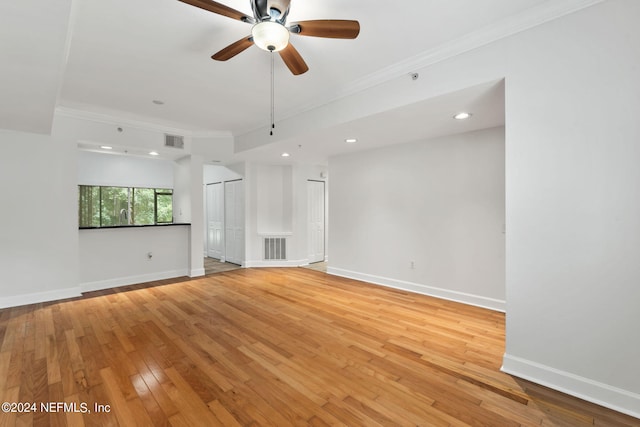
x=118, y=206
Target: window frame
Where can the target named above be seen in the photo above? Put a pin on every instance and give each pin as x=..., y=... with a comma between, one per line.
x=130, y=206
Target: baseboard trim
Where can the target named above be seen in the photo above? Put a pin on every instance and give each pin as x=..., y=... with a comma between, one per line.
x=197, y=272
x=37, y=297
x=292, y=263
x=132, y=280
x=596, y=392
x=469, y=299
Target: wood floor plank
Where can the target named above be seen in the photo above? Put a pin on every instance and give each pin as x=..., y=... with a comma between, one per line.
x=11, y=394
x=201, y=359
x=53, y=361
x=194, y=410
x=151, y=407
x=5, y=360
x=73, y=418
x=154, y=387
x=292, y=381
x=56, y=419
x=223, y=414
x=347, y=415
x=118, y=400
x=271, y=347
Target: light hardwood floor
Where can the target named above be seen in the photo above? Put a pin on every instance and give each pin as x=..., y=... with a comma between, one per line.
x=317, y=266
x=213, y=266
x=270, y=347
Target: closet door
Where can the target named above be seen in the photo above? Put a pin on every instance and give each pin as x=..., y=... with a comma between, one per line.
x=215, y=217
x=234, y=221
x=316, y=225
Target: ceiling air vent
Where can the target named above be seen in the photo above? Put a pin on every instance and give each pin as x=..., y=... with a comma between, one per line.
x=174, y=141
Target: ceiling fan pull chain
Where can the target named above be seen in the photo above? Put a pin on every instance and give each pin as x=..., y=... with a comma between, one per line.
x=273, y=107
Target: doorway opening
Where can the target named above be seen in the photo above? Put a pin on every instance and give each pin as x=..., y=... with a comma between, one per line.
x=316, y=226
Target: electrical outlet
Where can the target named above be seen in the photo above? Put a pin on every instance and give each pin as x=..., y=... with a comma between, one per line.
x=412, y=265
x=149, y=255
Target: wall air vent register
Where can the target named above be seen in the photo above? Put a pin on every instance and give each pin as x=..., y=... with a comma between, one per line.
x=174, y=141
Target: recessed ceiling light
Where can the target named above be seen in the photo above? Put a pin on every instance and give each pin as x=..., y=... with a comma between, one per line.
x=158, y=102
x=285, y=154
x=153, y=153
x=462, y=116
x=350, y=140
x=106, y=147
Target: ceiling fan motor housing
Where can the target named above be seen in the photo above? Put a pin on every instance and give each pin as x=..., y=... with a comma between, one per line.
x=271, y=10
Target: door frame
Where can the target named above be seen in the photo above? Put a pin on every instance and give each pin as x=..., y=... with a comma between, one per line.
x=324, y=221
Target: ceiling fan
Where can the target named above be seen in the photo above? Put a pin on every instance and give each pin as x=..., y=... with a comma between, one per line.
x=271, y=33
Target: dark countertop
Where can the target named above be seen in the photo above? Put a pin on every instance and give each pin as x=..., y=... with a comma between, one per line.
x=135, y=226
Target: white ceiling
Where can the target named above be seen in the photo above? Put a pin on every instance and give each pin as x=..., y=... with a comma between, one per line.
x=33, y=37
x=419, y=121
x=115, y=57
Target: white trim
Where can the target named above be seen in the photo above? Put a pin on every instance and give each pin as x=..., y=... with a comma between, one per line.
x=131, y=280
x=509, y=26
x=34, y=298
x=275, y=233
x=469, y=299
x=620, y=400
x=73, y=13
x=276, y=263
x=197, y=272
x=112, y=119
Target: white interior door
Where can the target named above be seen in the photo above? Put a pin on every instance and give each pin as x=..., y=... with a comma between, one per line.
x=215, y=204
x=234, y=221
x=316, y=226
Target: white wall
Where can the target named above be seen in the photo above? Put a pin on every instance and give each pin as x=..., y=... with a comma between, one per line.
x=573, y=205
x=38, y=219
x=188, y=207
x=438, y=204
x=182, y=190
x=216, y=173
x=117, y=257
x=273, y=210
x=123, y=171
x=196, y=236
x=138, y=137
x=276, y=204
x=96, y=129
x=274, y=198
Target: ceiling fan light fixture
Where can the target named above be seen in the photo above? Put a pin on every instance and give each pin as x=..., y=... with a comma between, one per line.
x=270, y=36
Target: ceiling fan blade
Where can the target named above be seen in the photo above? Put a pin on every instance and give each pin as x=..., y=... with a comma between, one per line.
x=218, y=8
x=293, y=60
x=233, y=49
x=330, y=28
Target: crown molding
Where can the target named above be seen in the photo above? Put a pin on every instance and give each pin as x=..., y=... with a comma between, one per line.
x=114, y=119
x=509, y=26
